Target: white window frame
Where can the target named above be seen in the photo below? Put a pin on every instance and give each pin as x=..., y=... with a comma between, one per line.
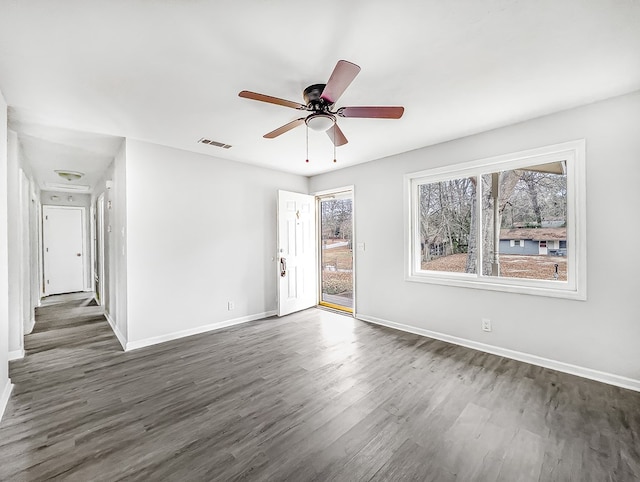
x=575, y=287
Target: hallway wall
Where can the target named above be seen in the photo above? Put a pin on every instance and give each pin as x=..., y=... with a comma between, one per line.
x=598, y=337
x=201, y=232
x=115, y=272
x=23, y=252
x=5, y=382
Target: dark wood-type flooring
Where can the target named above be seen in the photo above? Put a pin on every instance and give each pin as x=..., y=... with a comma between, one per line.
x=311, y=396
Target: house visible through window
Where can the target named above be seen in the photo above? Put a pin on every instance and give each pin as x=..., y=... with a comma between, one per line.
x=507, y=223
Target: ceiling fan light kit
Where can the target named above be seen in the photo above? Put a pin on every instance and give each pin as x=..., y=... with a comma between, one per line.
x=69, y=175
x=320, y=122
x=319, y=101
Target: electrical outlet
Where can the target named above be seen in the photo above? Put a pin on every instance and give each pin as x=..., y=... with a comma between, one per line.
x=231, y=305
x=486, y=324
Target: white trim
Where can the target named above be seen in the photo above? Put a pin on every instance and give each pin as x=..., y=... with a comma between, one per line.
x=32, y=324
x=574, y=288
x=4, y=398
x=16, y=354
x=100, y=240
x=86, y=260
x=24, y=252
x=354, y=249
x=134, y=345
x=350, y=190
x=337, y=190
x=116, y=331
x=41, y=282
x=599, y=376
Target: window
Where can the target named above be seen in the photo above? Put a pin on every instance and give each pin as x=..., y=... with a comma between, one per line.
x=511, y=223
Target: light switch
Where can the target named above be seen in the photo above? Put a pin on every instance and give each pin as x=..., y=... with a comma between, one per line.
x=360, y=246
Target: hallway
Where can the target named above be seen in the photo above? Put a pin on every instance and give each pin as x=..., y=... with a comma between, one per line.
x=310, y=396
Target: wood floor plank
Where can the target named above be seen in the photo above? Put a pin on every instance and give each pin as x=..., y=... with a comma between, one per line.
x=313, y=396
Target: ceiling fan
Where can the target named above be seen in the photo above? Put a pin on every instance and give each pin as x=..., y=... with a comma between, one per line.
x=320, y=100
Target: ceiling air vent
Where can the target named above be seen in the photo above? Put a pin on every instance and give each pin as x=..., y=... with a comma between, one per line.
x=214, y=143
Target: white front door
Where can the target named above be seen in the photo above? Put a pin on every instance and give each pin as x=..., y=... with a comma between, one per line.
x=63, y=236
x=296, y=252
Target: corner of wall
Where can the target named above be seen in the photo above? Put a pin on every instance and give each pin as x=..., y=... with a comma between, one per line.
x=119, y=192
x=5, y=382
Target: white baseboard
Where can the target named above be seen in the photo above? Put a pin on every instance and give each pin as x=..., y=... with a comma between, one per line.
x=596, y=375
x=4, y=397
x=16, y=354
x=116, y=331
x=134, y=345
x=32, y=324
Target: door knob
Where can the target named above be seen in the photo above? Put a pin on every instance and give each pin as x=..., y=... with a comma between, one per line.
x=78, y=254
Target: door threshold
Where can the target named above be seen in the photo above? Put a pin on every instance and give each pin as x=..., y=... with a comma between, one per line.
x=334, y=307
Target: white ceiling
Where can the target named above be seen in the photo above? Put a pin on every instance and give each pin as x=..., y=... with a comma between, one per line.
x=49, y=148
x=169, y=72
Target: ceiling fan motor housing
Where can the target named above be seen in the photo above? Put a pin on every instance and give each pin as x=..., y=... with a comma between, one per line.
x=312, y=97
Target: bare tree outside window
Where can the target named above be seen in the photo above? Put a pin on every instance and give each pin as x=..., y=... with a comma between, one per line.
x=527, y=205
x=445, y=222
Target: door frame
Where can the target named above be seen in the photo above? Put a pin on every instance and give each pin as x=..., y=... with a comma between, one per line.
x=24, y=295
x=319, y=195
x=83, y=218
x=99, y=227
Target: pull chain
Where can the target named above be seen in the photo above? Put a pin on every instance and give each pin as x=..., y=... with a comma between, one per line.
x=307, y=143
x=334, y=142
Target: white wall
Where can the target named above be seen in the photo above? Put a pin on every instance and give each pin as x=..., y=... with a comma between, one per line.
x=118, y=241
x=23, y=252
x=14, y=246
x=201, y=232
x=101, y=188
x=602, y=333
x=115, y=269
x=62, y=199
x=5, y=383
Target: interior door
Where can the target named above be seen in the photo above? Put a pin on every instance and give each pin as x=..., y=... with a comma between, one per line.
x=296, y=252
x=63, y=235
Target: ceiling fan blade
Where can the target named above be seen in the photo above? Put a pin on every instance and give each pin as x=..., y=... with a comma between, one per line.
x=336, y=136
x=271, y=100
x=371, y=112
x=284, y=128
x=342, y=75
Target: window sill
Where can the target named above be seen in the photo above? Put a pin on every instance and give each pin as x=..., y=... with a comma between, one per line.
x=552, y=289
